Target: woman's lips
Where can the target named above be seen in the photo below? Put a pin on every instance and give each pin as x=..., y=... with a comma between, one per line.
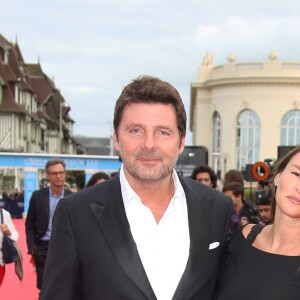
x=295, y=200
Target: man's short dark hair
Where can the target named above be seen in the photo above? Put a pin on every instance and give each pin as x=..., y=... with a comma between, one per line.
x=53, y=162
x=236, y=187
x=150, y=90
x=206, y=169
x=233, y=176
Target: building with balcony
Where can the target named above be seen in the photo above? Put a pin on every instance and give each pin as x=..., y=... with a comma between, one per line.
x=243, y=111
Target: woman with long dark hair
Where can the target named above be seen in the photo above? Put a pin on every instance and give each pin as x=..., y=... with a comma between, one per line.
x=263, y=262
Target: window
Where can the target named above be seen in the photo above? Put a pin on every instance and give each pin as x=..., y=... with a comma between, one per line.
x=216, y=147
x=247, y=139
x=290, y=128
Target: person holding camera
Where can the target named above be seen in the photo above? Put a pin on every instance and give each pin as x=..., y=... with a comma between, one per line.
x=243, y=211
x=264, y=206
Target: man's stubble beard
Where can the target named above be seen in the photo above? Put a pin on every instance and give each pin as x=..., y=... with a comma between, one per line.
x=138, y=172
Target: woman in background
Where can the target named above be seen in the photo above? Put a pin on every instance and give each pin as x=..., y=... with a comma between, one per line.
x=263, y=262
x=97, y=178
x=6, y=228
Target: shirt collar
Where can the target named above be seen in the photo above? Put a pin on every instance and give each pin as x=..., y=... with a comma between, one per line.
x=128, y=194
x=58, y=196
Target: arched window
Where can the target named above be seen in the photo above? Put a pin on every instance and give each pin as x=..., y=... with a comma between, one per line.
x=290, y=128
x=247, y=139
x=216, y=147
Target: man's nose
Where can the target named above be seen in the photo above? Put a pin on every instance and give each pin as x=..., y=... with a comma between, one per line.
x=149, y=141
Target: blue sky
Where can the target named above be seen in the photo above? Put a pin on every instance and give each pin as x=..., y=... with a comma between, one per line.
x=93, y=48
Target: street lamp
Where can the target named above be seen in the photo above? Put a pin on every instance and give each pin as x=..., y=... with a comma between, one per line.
x=60, y=127
x=61, y=106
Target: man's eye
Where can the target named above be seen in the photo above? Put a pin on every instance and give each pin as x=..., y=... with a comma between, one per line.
x=162, y=133
x=136, y=131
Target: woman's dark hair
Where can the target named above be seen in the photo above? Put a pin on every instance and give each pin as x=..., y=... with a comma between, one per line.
x=278, y=168
x=95, y=177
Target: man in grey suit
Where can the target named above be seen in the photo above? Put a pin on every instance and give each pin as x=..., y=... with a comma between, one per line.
x=42, y=205
x=147, y=233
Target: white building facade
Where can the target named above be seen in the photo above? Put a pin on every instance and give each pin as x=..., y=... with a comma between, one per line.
x=242, y=112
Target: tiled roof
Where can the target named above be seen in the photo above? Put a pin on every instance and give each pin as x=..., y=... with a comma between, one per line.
x=34, y=70
x=31, y=78
x=8, y=104
x=3, y=41
x=13, y=70
x=7, y=74
x=42, y=88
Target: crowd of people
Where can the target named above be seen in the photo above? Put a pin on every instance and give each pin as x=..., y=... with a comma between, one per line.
x=149, y=233
x=13, y=202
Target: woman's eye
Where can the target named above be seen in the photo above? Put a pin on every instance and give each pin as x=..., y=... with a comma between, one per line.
x=296, y=174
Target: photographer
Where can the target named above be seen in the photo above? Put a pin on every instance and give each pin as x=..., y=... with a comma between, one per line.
x=243, y=211
x=264, y=206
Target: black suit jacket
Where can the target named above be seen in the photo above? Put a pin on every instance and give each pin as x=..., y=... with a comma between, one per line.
x=37, y=218
x=92, y=254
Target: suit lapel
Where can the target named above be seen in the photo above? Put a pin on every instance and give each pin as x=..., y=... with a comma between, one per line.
x=200, y=208
x=113, y=222
x=110, y=213
x=46, y=203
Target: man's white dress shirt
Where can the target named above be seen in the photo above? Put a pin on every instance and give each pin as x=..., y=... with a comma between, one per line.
x=163, y=247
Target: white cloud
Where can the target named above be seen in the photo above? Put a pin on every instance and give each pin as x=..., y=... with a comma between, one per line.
x=94, y=47
x=206, y=32
x=86, y=90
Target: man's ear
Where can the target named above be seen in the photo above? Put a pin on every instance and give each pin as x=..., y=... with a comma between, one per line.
x=116, y=143
x=47, y=176
x=181, y=145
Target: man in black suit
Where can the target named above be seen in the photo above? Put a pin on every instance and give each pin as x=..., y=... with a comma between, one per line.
x=147, y=233
x=42, y=205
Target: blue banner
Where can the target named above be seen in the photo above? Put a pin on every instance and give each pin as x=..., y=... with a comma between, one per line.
x=30, y=185
x=75, y=162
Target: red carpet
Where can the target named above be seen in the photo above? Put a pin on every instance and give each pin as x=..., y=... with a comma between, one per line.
x=12, y=288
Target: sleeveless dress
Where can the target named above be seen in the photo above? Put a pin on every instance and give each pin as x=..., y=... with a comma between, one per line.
x=252, y=274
